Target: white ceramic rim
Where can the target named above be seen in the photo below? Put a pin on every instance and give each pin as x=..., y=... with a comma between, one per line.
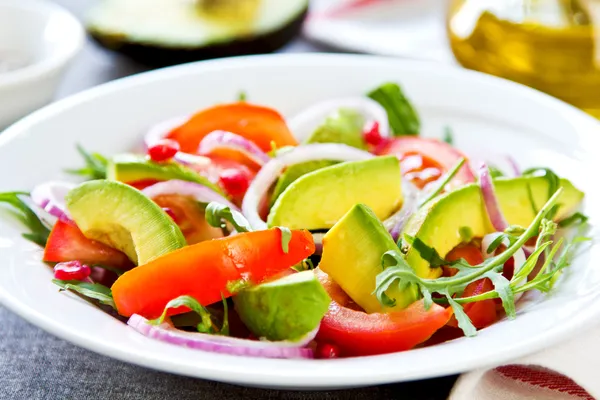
x=55, y=61
x=349, y=372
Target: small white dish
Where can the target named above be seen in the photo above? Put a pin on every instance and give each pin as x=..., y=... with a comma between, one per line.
x=38, y=39
x=484, y=112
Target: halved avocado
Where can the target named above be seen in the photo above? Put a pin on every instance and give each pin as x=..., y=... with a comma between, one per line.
x=167, y=32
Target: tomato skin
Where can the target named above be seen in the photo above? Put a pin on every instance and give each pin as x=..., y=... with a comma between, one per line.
x=203, y=270
x=262, y=125
x=435, y=153
x=67, y=243
x=469, y=252
x=481, y=313
x=356, y=333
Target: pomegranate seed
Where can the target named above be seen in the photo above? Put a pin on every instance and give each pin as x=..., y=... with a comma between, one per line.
x=163, y=150
x=326, y=350
x=71, y=271
x=371, y=133
x=170, y=213
x=235, y=181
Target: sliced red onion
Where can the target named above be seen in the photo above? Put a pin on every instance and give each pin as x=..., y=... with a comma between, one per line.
x=270, y=172
x=162, y=129
x=199, y=192
x=514, y=166
x=227, y=140
x=305, y=123
x=222, y=344
x=490, y=200
x=50, y=196
x=396, y=222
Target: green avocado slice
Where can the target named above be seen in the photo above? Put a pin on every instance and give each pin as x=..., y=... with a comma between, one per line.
x=285, y=309
x=167, y=32
x=439, y=222
x=120, y=216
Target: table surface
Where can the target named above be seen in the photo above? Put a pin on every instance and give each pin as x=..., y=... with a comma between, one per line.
x=37, y=365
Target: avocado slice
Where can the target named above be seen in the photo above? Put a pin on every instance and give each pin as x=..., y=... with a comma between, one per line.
x=131, y=167
x=320, y=198
x=121, y=217
x=167, y=32
x=352, y=252
x=343, y=126
x=285, y=309
x=438, y=222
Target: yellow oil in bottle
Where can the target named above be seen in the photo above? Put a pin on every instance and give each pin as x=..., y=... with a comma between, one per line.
x=550, y=45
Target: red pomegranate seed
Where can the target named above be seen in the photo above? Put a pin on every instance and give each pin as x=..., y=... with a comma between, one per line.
x=371, y=133
x=163, y=150
x=71, y=271
x=235, y=181
x=326, y=350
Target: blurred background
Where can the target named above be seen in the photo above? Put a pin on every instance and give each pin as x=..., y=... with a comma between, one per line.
x=549, y=45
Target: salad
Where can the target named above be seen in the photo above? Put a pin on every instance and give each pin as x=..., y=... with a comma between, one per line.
x=338, y=232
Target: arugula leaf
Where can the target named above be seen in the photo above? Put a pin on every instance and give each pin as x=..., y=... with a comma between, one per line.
x=95, y=165
x=443, y=181
x=225, y=325
x=94, y=291
x=286, y=236
x=205, y=325
x=304, y=265
x=242, y=96
x=39, y=231
x=235, y=286
x=448, y=135
x=402, y=116
x=464, y=322
x=574, y=220
x=505, y=292
x=495, y=172
x=216, y=212
x=553, y=185
x=431, y=255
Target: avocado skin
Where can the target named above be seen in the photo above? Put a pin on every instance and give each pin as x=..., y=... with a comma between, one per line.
x=156, y=55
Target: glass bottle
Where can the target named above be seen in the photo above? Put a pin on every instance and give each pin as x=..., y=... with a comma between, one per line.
x=550, y=45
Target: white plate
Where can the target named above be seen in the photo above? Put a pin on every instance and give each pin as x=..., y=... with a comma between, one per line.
x=485, y=112
x=403, y=28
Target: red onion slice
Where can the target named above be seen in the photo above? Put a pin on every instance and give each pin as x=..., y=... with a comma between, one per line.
x=396, y=222
x=490, y=200
x=199, y=192
x=270, y=172
x=222, y=344
x=162, y=129
x=514, y=166
x=227, y=140
x=50, y=196
x=304, y=123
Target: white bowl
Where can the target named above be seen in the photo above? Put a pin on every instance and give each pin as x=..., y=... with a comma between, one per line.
x=484, y=113
x=46, y=37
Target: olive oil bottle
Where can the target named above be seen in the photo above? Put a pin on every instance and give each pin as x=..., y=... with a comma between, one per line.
x=550, y=45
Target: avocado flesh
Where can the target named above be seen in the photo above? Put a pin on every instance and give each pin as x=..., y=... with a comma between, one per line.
x=167, y=32
x=285, y=309
x=131, y=168
x=343, y=126
x=438, y=223
x=319, y=199
x=123, y=218
x=352, y=252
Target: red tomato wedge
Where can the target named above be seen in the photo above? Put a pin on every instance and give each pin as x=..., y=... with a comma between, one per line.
x=203, y=270
x=357, y=333
x=469, y=252
x=481, y=313
x=434, y=154
x=262, y=125
x=67, y=243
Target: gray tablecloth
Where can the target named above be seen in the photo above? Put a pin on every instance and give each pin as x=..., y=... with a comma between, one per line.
x=37, y=365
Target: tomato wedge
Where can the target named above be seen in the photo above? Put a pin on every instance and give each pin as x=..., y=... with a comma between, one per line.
x=189, y=216
x=262, y=125
x=469, y=252
x=357, y=333
x=481, y=313
x=203, y=270
x=67, y=243
x=424, y=160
